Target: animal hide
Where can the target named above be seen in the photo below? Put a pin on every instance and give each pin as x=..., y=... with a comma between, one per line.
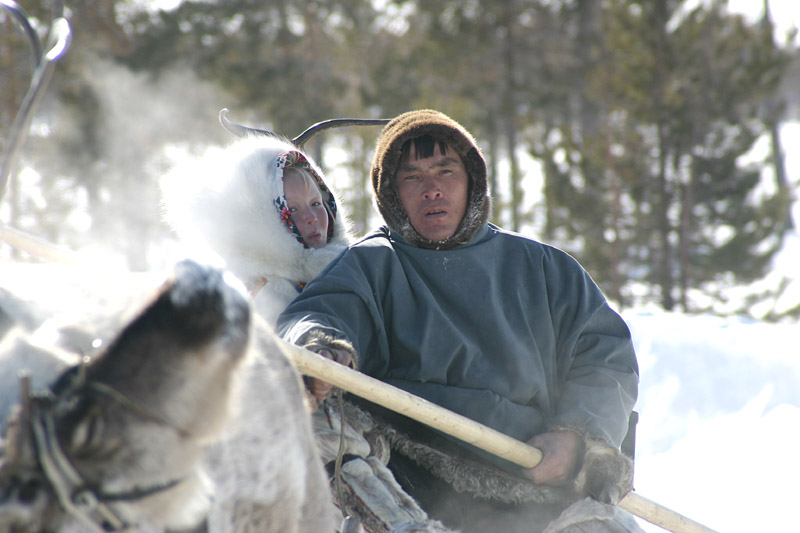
x=605, y=473
x=266, y=469
x=366, y=488
x=591, y=516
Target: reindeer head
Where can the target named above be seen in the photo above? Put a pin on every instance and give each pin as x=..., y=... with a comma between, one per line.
x=117, y=440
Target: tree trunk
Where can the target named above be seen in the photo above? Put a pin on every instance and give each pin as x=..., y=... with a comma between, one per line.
x=665, y=281
x=492, y=170
x=781, y=179
x=508, y=111
x=687, y=205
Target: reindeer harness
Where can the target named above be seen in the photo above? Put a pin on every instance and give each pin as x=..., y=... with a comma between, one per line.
x=89, y=504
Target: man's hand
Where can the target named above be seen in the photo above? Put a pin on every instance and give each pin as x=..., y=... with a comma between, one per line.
x=321, y=389
x=561, y=453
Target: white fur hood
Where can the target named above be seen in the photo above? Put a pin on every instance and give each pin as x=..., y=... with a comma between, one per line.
x=225, y=204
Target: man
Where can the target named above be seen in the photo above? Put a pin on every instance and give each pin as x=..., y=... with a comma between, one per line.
x=487, y=323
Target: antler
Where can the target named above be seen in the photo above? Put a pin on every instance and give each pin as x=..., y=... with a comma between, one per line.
x=240, y=130
x=304, y=137
x=301, y=140
x=59, y=43
x=24, y=22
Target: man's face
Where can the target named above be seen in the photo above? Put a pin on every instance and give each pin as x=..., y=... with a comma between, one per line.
x=433, y=191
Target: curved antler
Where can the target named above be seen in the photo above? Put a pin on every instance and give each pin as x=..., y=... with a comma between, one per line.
x=239, y=130
x=24, y=22
x=306, y=136
x=60, y=34
x=300, y=141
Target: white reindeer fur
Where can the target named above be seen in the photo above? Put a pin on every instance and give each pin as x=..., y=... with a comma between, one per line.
x=222, y=204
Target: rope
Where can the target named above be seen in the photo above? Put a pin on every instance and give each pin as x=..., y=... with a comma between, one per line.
x=73, y=495
x=349, y=523
x=83, y=501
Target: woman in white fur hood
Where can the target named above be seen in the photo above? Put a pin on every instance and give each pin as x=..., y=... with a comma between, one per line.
x=230, y=203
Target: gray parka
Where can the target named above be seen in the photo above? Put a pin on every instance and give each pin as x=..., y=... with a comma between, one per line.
x=521, y=344
x=503, y=329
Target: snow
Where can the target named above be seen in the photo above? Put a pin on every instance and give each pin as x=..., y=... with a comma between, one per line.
x=719, y=424
x=719, y=403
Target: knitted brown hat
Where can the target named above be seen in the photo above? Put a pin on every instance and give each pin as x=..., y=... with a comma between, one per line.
x=415, y=124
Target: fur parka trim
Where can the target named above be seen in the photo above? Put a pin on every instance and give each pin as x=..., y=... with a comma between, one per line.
x=605, y=473
x=466, y=473
x=411, y=125
x=225, y=205
x=317, y=339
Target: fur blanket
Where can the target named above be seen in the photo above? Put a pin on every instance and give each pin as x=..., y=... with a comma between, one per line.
x=605, y=474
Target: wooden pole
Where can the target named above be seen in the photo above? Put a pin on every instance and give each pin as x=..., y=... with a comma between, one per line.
x=37, y=247
x=465, y=429
x=661, y=516
x=419, y=409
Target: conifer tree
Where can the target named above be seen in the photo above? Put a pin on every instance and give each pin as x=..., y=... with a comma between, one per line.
x=654, y=193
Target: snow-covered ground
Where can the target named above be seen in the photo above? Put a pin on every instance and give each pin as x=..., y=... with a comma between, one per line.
x=719, y=425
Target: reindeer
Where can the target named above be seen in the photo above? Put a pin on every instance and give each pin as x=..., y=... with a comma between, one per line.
x=118, y=437
x=113, y=425
x=125, y=437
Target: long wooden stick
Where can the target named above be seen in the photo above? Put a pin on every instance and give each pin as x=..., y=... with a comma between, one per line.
x=419, y=409
x=465, y=429
x=660, y=515
x=38, y=247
